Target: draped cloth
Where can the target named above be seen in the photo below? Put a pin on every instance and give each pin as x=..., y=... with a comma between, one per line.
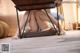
x=39, y=21
x=4, y=29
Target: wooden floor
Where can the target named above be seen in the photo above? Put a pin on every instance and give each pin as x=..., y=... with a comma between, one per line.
x=68, y=43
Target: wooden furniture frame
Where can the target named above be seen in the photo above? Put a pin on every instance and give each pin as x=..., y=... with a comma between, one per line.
x=23, y=6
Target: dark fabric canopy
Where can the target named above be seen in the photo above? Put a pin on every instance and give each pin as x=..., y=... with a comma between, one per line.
x=35, y=4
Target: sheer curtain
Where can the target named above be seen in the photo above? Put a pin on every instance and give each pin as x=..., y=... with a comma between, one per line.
x=70, y=14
